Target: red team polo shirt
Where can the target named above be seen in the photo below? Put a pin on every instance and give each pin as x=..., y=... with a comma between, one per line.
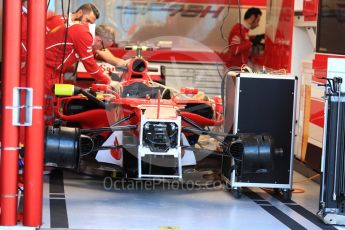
x=54, y=21
x=78, y=47
x=239, y=46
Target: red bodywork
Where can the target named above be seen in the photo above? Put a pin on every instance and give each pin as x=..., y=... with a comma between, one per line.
x=129, y=105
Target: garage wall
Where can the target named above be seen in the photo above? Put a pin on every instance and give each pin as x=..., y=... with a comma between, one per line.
x=138, y=21
x=205, y=77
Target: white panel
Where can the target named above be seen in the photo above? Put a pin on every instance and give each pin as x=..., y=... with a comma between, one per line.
x=317, y=92
x=317, y=132
x=298, y=5
x=105, y=155
x=302, y=49
x=274, y=8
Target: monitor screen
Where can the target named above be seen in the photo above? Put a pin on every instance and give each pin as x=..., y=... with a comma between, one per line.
x=331, y=27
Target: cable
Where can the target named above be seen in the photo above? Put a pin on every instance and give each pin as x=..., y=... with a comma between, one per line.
x=245, y=68
x=62, y=8
x=223, y=20
x=298, y=190
x=278, y=72
x=221, y=30
x=74, y=75
x=239, y=18
x=223, y=50
x=293, y=190
x=48, y=4
x=307, y=180
x=170, y=88
x=53, y=75
x=65, y=43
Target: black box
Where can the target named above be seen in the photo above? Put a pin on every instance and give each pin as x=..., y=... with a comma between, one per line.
x=262, y=104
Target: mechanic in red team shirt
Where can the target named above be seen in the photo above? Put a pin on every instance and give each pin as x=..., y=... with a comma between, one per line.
x=79, y=46
x=239, y=42
x=86, y=13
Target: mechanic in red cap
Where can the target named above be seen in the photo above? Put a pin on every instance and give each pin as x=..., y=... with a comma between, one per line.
x=79, y=46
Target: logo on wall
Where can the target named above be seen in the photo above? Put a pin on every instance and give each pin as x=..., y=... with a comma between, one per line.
x=173, y=9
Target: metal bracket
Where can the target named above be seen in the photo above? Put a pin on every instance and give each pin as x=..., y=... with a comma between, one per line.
x=16, y=118
x=10, y=148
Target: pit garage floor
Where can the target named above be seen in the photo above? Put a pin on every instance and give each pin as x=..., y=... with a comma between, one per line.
x=77, y=201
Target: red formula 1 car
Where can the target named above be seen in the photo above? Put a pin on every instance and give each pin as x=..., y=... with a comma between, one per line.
x=141, y=130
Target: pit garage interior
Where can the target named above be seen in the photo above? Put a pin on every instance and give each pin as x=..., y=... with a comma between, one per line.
x=158, y=128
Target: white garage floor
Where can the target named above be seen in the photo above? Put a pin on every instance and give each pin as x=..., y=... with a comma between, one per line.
x=80, y=202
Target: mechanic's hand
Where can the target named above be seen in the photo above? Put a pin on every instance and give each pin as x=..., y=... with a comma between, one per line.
x=117, y=86
x=107, y=74
x=247, y=37
x=124, y=62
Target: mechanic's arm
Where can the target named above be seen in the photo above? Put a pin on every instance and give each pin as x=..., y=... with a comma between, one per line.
x=108, y=57
x=83, y=46
x=238, y=45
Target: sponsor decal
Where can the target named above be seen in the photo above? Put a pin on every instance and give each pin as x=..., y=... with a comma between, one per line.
x=116, y=153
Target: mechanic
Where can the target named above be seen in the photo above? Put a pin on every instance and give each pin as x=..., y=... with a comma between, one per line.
x=86, y=13
x=105, y=37
x=239, y=43
x=79, y=46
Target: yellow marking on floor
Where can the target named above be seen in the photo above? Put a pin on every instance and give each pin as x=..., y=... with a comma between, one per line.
x=169, y=228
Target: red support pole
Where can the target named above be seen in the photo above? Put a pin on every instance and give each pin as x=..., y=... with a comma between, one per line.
x=9, y=132
x=34, y=135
